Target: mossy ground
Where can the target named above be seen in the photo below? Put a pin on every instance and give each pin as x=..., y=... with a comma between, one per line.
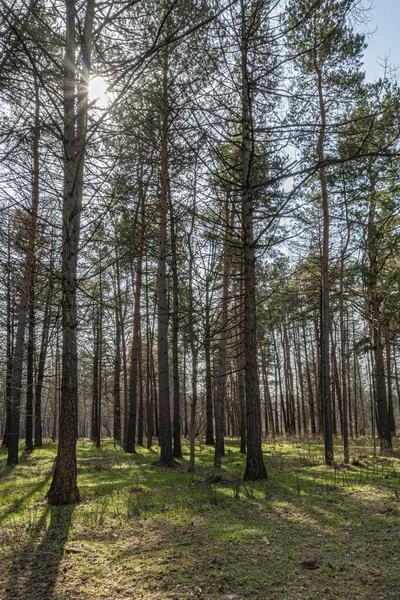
x=141, y=532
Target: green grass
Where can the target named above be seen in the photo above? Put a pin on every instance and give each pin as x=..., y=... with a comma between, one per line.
x=141, y=532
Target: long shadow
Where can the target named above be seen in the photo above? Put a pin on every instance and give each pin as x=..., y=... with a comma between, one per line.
x=22, y=499
x=36, y=564
x=19, y=502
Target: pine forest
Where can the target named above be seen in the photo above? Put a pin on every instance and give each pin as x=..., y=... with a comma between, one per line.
x=199, y=301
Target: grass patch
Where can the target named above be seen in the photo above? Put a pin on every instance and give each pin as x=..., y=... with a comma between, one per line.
x=141, y=532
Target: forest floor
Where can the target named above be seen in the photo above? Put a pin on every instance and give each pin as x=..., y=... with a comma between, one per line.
x=144, y=533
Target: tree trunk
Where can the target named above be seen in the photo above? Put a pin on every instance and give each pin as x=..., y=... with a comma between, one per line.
x=134, y=370
x=325, y=316
x=177, y=448
x=18, y=354
x=121, y=316
x=207, y=358
x=222, y=358
x=117, y=379
x=9, y=342
x=42, y=358
x=95, y=376
x=311, y=402
x=255, y=468
x=30, y=369
x=64, y=489
x=165, y=437
x=392, y=422
x=383, y=421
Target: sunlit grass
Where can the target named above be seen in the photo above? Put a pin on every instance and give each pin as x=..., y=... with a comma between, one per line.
x=145, y=532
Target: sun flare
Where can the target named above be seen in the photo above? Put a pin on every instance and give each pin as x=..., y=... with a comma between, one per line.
x=98, y=91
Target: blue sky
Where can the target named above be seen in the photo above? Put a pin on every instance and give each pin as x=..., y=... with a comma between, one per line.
x=385, y=21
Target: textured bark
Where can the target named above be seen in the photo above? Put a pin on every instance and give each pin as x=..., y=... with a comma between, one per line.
x=134, y=369
x=100, y=343
x=64, y=489
x=177, y=447
x=222, y=358
x=9, y=342
x=30, y=368
x=207, y=358
x=149, y=377
x=121, y=317
x=56, y=391
x=165, y=430
x=42, y=360
x=140, y=435
x=255, y=468
x=345, y=419
x=392, y=422
x=240, y=366
x=117, y=379
x=325, y=309
x=95, y=378
x=355, y=387
x=193, y=343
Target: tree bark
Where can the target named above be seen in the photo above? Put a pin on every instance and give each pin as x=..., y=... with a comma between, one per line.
x=64, y=489
x=30, y=368
x=177, y=447
x=383, y=421
x=165, y=433
x=18, y=354
x=255, y=468
x=325, y=316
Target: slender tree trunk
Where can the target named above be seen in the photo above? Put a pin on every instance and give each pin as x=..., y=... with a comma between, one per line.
x=396, y=376
x=100, y=343
x=207, y=358
x=289, y=380
x=355, y=388
x=192, y=341
x=383, y=420
x=149, y=375
x=140, y=435
x=55, y=394
x=177, y=448
x=311, y=402
x=241, y=384
x=30, y=369
x=121, y=316
x=9, y=342
x=222, y=357
x=255, y=468
x=134, y=370
x=392, y=421
x=95, y=376
x=117, y=379
x=165, y=433
x=64, y=489
x=325, y=316
x=18, y=354
x=301, y=382
x=345, y=421
x=336, y=379
x=42, y=358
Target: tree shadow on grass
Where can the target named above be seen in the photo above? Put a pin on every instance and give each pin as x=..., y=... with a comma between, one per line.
x=36, y=563
x=21, y=500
